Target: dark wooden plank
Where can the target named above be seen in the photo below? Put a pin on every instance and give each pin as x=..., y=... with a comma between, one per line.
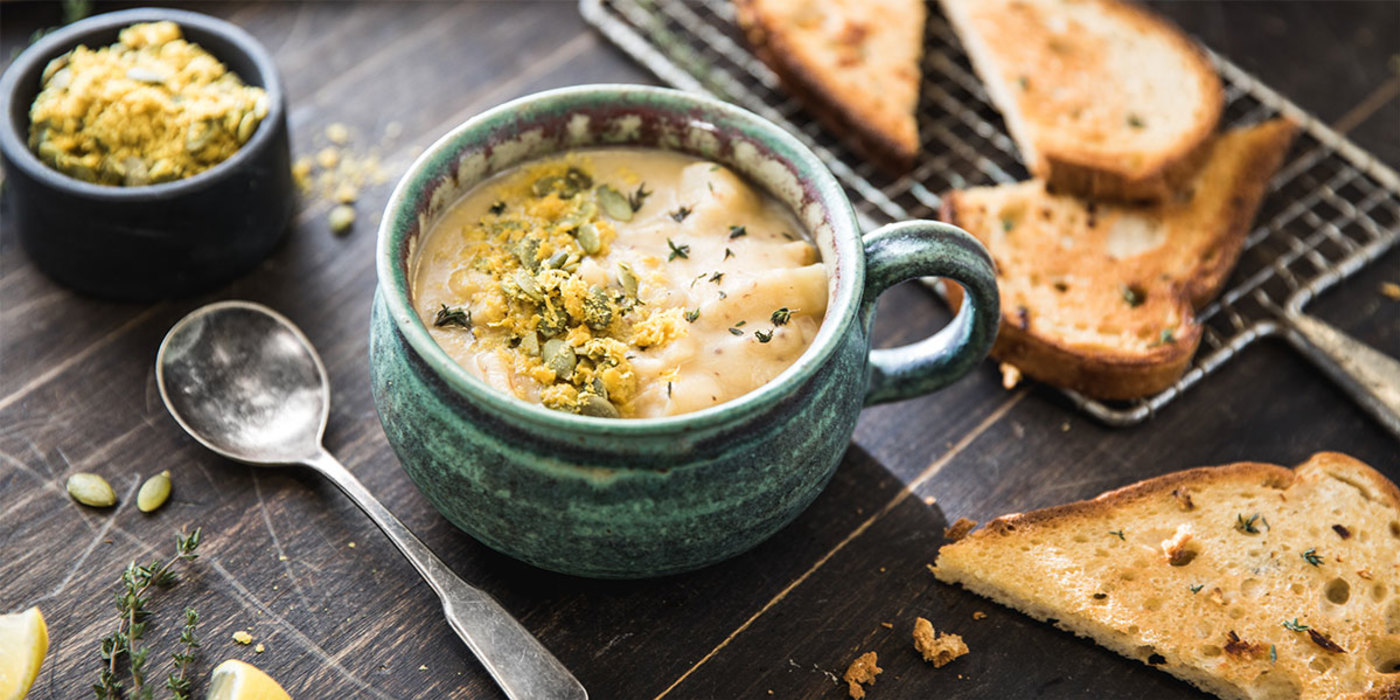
x=354, y=621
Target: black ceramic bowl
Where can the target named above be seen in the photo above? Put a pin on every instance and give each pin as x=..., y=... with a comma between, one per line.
x=152, y=241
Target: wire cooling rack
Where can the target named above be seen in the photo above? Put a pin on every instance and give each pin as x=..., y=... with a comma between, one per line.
x=1330, y=210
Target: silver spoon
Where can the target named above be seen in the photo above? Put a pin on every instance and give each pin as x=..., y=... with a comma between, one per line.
x=246, y=383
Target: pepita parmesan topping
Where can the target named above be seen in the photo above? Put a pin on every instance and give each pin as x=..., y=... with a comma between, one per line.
x=150, y=108
x=575, y=283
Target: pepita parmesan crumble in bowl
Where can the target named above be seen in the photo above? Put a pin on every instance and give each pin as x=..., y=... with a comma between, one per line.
x=146, y=153
x=624, y=331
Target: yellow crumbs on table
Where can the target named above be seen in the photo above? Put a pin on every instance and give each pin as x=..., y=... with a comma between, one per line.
x=151, y=108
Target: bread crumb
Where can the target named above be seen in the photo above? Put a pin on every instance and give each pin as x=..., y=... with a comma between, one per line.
x=1064, y=427
x=862, y=670
x=243, y=637
x=1010, y=376
x=938, y=649
x=1175, y=548
x=887, y=625
x=338, y=134
x=424, y=667
x=959, y=529
x=979, y=615
x=259, y=648
x=1390, y=290
x=281, y=557
x=345, y=193
x=351, y=545
x=930, y=500
x=931, y=570
x=328, y=158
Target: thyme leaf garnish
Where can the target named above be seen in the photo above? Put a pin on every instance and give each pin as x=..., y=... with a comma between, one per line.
x=737, y=231
x=455, y=316
x=716, y=277
x=1294, y=625
x=693, y=315
x=498, y=208
x=781, y=316
x=728, y=253
x=1311, y=557
x=735, y=331
x=1197, y=588
x=677, y=251
x=763, y=336
x=636, y=199
x=1247, y=525
x=1118, y=534
x=680, y=214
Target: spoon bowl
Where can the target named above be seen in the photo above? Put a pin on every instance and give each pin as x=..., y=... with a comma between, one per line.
x=246, y=383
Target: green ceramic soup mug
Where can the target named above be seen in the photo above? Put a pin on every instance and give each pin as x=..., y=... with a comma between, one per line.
x=629, y=498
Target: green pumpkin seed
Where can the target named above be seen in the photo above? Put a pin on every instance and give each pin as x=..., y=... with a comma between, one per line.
x=530, y=344
x=526, y=282
x=543, y=186
x=597, y=406
x=597, y=313
x=557, y=260
x=560, y=357
x=588, y=239
x=578, y=178
x=246, y=126
x=526, y=252
x=91, y=490
x=627, y=278
x=599, y=388
x=571, y=265
x=614, y=204
x=154, y=492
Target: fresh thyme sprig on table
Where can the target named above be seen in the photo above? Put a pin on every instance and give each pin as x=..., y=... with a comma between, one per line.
x=132, y=611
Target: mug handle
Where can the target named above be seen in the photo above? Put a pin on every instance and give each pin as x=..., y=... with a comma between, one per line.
x=903, y=251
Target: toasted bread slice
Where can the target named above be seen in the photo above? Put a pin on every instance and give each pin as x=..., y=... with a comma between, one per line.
x=854, y=63
x=1100, y=298
x=1248, y=580
x=1103, y=98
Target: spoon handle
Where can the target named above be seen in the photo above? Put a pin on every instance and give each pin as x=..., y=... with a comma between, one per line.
x=523, y=668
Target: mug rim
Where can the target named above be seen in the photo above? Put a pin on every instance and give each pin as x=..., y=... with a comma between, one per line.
x=842, y=312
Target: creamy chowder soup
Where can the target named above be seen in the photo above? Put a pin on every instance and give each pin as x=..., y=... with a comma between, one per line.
x=620, y=283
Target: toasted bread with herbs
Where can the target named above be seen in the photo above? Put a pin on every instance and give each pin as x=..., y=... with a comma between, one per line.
x=854, y=63
x=1248, y=580
x=1100, y=298
x=1103, y=98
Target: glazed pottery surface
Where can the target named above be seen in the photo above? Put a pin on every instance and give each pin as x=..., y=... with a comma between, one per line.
x=645, y=497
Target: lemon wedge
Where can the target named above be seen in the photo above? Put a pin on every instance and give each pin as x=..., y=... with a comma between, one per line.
x=24, y=639
x=235, y=680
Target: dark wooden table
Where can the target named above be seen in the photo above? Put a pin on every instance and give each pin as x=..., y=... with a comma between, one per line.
x=341, y=615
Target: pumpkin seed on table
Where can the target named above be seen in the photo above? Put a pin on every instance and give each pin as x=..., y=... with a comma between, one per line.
x=341, y=218
x=614, y=204
x=91, y=490
x=154, y=492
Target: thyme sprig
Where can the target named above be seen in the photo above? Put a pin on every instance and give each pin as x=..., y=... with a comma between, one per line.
x=132, y=612
x=178, y=684
x=1311, y=557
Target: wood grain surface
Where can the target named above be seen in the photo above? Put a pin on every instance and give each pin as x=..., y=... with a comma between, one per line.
x=341, y=615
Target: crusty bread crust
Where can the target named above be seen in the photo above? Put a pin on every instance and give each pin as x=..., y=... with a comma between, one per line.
x=1175, y=631
x=838, y=112
x=1121, y=373
x=1099, y=169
